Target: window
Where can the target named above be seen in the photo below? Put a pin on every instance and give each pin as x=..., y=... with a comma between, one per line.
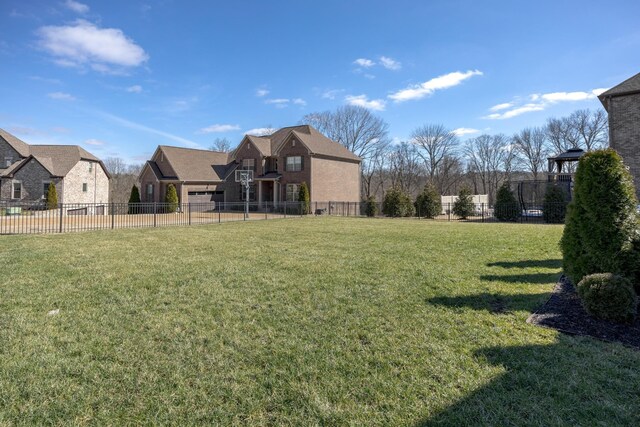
x=85, y=187
x=7, y=161
x=90, y=167
x=149, y=192
x=252, y=193
x=17, y=190
x=249, y=164
x=294, y=164
x=292, y=192
x=45, y=189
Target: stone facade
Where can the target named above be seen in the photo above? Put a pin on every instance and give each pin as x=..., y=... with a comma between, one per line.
x=624, y=131
x=7, y=153
x=86, y=182
x=33, y=177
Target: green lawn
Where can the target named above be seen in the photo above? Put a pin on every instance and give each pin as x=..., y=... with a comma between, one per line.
x=317, y=321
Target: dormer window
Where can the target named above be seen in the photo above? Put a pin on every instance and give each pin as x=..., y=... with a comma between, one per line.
x=7, y=161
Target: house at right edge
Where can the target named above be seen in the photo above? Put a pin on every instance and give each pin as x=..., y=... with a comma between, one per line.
x=622, y=102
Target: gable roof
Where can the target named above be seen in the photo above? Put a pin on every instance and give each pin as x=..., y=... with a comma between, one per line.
x=16, y=143
x=315, y=141
x=191, y=164
x=631, y=85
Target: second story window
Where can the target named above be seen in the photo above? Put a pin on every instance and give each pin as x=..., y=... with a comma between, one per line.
x=17, y=190
x=249, y=164
x=294, y=163
x=85, y=187
x=90, y=167
x=7, y=161
x=149, y=192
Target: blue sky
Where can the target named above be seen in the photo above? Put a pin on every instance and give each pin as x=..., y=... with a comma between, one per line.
x=121, y=77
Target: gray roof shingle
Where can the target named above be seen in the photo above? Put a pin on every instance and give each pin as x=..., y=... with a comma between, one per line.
x=191, y=164
x=19, y=145
x=632, y=84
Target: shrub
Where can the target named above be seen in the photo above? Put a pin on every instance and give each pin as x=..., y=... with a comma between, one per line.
x=428, y=202
x=609, y=297
x=171, y=199
x=304, y=199
x=463, y=207
x=134, y=199
x=554, y=206
x=371, y=207
x=52, y=196
x=507, y=208
x=601, y=221
x=397, y=204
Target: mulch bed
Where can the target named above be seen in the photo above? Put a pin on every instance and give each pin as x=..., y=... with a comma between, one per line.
x=564, y=312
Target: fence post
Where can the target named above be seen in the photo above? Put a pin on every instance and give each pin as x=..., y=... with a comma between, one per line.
x=155, y=210
x=219, y=213
x=113, y=215
x=285, y=208
x=189, y=208
x=449, y=209
x=61, y=210
x=482, y=207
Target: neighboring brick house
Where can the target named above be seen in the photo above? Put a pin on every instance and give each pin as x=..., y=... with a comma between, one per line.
x=280, y=161
x=27, y=170
x=622, y=102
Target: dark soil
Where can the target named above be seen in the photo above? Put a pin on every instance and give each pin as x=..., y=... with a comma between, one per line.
x=564, y=312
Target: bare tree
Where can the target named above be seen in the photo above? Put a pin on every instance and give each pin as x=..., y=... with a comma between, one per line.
x=221, y=144
x=405, y=167
x=592, y=128
x=486, y=156
x=355, y=127
x=373, y=173
x=123, y=177
x=531, y=149
x=435, y=143
x=562, y=134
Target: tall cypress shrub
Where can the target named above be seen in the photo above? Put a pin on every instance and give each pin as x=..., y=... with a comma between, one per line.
x=134, y=200
x=601, y=223
x=304, y=198
x=171, y=199
x=429, y=202
x=507, y=208
x=52, y=196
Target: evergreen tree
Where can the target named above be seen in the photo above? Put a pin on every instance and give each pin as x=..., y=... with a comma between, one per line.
x=507, y=208
x=371, y=207
x=463, y=207
x=428, y=202
x=304, y=198
x=171, y=199
x=397, y=203
x=554, y=207
x=52, y=196
x=134, y=199
x=601, y=222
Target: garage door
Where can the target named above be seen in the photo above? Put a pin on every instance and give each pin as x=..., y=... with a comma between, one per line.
x=205, y=200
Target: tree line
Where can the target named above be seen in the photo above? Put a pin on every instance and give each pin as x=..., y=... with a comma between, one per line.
x=436, y=155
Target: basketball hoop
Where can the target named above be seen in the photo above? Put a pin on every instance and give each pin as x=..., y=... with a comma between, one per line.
x=245, y=178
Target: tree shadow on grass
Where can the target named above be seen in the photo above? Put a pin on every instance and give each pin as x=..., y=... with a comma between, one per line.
x=566, y=383
x=534, y=278
x=493, y=303
x=531, y=263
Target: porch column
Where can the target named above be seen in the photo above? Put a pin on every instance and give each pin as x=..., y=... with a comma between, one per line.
x=275, y=193
x=259, y=194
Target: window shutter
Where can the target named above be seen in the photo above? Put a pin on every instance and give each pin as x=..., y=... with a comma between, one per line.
x=301, y=163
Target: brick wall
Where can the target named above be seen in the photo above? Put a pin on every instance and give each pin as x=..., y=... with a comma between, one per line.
x=624, y=132
x=32, y=176
x=335, y=180
x=94, y=176
x=7, y=151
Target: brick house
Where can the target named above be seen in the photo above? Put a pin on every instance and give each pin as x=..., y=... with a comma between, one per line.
x=27, y=170
x=280, y=161
x=622, y=102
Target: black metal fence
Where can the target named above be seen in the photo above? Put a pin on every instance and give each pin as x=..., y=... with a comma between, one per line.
x=30, y=217
x=480, y=212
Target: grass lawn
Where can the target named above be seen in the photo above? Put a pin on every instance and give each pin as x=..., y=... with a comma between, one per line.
x=317, y=321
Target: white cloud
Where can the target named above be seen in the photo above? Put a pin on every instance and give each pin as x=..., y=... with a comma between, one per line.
x=61, y=96
x=83, y=43
x=93, y=141
x=76, y=6
x=134, y=89
x=331, y=94
x=143, y=128
x=429, y=87
x=262, y=92
x=259, y=131
x=363, y=101
x=390, y=63
x=219, y=128
x=540, y=102
x=502, y=106
x=364, y=62
x=278, y=102
x=299, y=101
x=465, y=131
x=599, y=91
